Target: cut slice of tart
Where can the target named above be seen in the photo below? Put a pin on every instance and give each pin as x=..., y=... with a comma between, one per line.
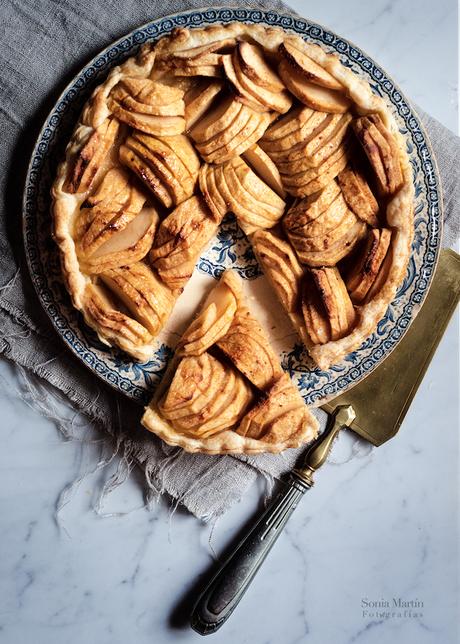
x=225, y=391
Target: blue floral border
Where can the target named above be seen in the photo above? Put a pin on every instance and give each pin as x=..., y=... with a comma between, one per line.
x=136, y=380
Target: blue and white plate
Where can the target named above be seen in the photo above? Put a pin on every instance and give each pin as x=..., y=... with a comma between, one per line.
x=230, y=247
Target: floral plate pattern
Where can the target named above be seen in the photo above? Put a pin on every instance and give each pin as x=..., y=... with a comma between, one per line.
x=230, y=248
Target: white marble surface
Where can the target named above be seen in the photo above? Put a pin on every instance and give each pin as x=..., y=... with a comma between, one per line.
x=382, y=526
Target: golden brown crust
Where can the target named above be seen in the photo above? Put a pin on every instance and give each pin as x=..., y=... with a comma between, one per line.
x=131, y=89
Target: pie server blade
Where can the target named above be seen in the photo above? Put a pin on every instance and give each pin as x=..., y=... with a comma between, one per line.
x=382, y=400
x=374, y=409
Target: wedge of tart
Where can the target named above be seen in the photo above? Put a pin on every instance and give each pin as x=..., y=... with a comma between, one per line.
x=225, y=391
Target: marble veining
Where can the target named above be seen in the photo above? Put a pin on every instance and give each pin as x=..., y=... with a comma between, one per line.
x=369, y=555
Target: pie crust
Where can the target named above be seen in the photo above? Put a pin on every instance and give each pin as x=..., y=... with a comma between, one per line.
x=245, y=119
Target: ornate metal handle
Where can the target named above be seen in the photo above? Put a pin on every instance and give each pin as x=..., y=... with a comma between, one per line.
x=227, y=587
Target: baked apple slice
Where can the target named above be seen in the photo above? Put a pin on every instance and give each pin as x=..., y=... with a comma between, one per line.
x=382, y=151
x=250, y=134
x=315, y=319
x=332, y=255
x=137, y=161
x=282, y=147
x=191, y=53
x=91, y=157
x=242, y=94
x=217, y=120
x=252, y=201
x=246, y=346
x=288, y=123
x=199, y=99
x=317, y=97
x=307, y=67
x=180, y=240
x=292, y=145
x=258, y=189
x=234, y=196
x=204, y=396
x=125, y=246
x=145, y=96
x=264, y=167
x=112, y=325
x=279, y=416
x=280, y=265
x=358, y=195
x=148, y=299
x=240, y=128
x=364, y=272
x=108, y=210
x=214, y=320
x=137, y=102
x=307, y=182
x=255, y=67
x=324, y=231
x=211, y=193
x=307, y=210
x=160, y=167
x=328, y=311
x=278, y=101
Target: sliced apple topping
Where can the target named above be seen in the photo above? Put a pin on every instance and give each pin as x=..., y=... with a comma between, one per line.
x=293, y=120
x=91, y=157
x=210, y=192
x=254, y=203
x=382, y=151
x=321, y=232
x=199, y=99
x=113, y=228
x=326, y=306
x=228, y=130
x=112, y=325
x=308, y=181
x=203, y=60
x=280, y=265
x=241, y=94
x=168, y=166
x=337, y=251
x=149, y=106
x=199, y=50
x=280, y=416
x=277, y=99
x=215, y=318
x=125, y=247
x=315, y=96
x=358, y=195
x=307, y=67
x=321, y=228
x=254, y=65
x=247, y=346
x=363, y=274
x=205, y=396
x=180, y=240
x=146, y=297
x=207, y=63
x=264, y=167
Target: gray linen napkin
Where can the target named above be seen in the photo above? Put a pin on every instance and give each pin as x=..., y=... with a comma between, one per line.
x=41, y=49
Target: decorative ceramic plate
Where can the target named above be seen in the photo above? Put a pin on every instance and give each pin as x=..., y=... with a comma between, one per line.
x=230, y=247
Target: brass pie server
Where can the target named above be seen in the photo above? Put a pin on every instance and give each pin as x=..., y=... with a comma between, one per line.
x=374, y=409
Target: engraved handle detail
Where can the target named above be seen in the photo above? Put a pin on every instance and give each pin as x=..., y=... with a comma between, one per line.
x=227, y=587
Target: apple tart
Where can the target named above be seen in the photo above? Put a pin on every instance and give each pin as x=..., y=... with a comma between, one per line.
x=224, y=390
x=241, y=119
